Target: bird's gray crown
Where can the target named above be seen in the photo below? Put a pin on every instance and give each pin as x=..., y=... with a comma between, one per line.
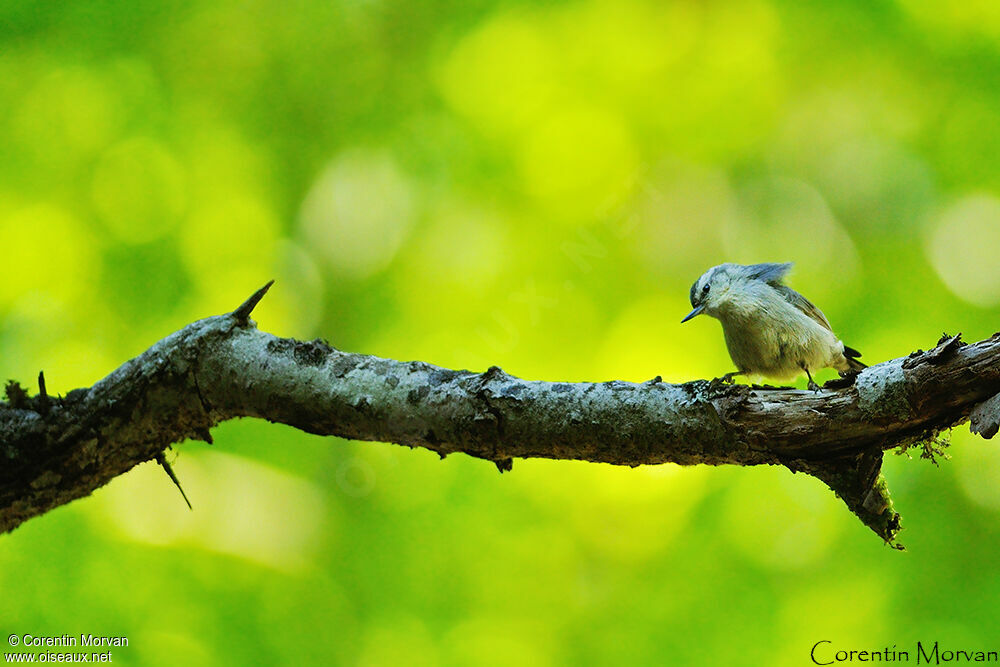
x=768, y=272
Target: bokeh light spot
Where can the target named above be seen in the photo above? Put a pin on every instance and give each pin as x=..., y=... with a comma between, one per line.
x=453, y=263
x=230, y=243
x=962, y=248
x=496, y=641
x=620, y=47
x=503, y=74
x=968, y=155
x=139, y=190
x=647, y=339
x=41, y=331
x=358, y=213
x=786, y=220
x=295, y=308
x=977, y=469
x=971, y=17
x=579, y=161
x=675, y=223
x=400, y=640
x=70, y=112
x=780, y=521
x=245, y=509
x=45, y=249
x=621, y=516
x=850, y=607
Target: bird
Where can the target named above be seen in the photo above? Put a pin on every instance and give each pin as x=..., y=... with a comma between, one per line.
x=770, y=329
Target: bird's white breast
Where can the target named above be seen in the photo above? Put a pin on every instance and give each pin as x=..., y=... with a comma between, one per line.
x=771, y=337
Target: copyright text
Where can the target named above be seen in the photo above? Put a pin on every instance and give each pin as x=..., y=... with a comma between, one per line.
x=825, y=653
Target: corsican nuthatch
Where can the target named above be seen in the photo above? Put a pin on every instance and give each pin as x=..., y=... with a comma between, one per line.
x=770, y=329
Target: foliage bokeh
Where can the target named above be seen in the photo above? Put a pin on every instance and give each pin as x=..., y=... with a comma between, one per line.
x=528, y=185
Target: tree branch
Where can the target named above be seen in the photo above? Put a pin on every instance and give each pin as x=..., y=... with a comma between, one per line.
x=57, y=449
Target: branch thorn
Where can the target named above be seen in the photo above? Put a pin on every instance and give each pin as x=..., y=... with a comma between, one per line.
x=242, y=314
x=43, y=396
x=162, y=460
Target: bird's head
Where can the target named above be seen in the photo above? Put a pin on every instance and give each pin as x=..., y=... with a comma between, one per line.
x=722, y=283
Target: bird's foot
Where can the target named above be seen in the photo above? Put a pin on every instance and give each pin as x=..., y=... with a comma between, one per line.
x=727, y=379
x=812, y=385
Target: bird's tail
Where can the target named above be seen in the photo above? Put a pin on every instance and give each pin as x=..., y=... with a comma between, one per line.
x=851, y=355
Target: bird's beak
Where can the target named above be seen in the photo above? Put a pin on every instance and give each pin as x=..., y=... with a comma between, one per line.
x=696, y=311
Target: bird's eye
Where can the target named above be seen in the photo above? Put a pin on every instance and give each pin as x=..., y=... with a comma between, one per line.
x=704, y=290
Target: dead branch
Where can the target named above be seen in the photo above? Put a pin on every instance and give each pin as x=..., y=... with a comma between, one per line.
x=55, y=450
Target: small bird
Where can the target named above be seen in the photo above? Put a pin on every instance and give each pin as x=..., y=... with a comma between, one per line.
x=771, y=330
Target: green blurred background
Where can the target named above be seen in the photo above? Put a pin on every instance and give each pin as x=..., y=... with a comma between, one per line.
x=473, y=183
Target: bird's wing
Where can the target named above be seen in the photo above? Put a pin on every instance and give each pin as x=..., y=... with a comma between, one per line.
x=769, y=273
x=803, y=304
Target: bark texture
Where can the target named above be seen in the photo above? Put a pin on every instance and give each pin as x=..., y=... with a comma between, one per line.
x=54, y=450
